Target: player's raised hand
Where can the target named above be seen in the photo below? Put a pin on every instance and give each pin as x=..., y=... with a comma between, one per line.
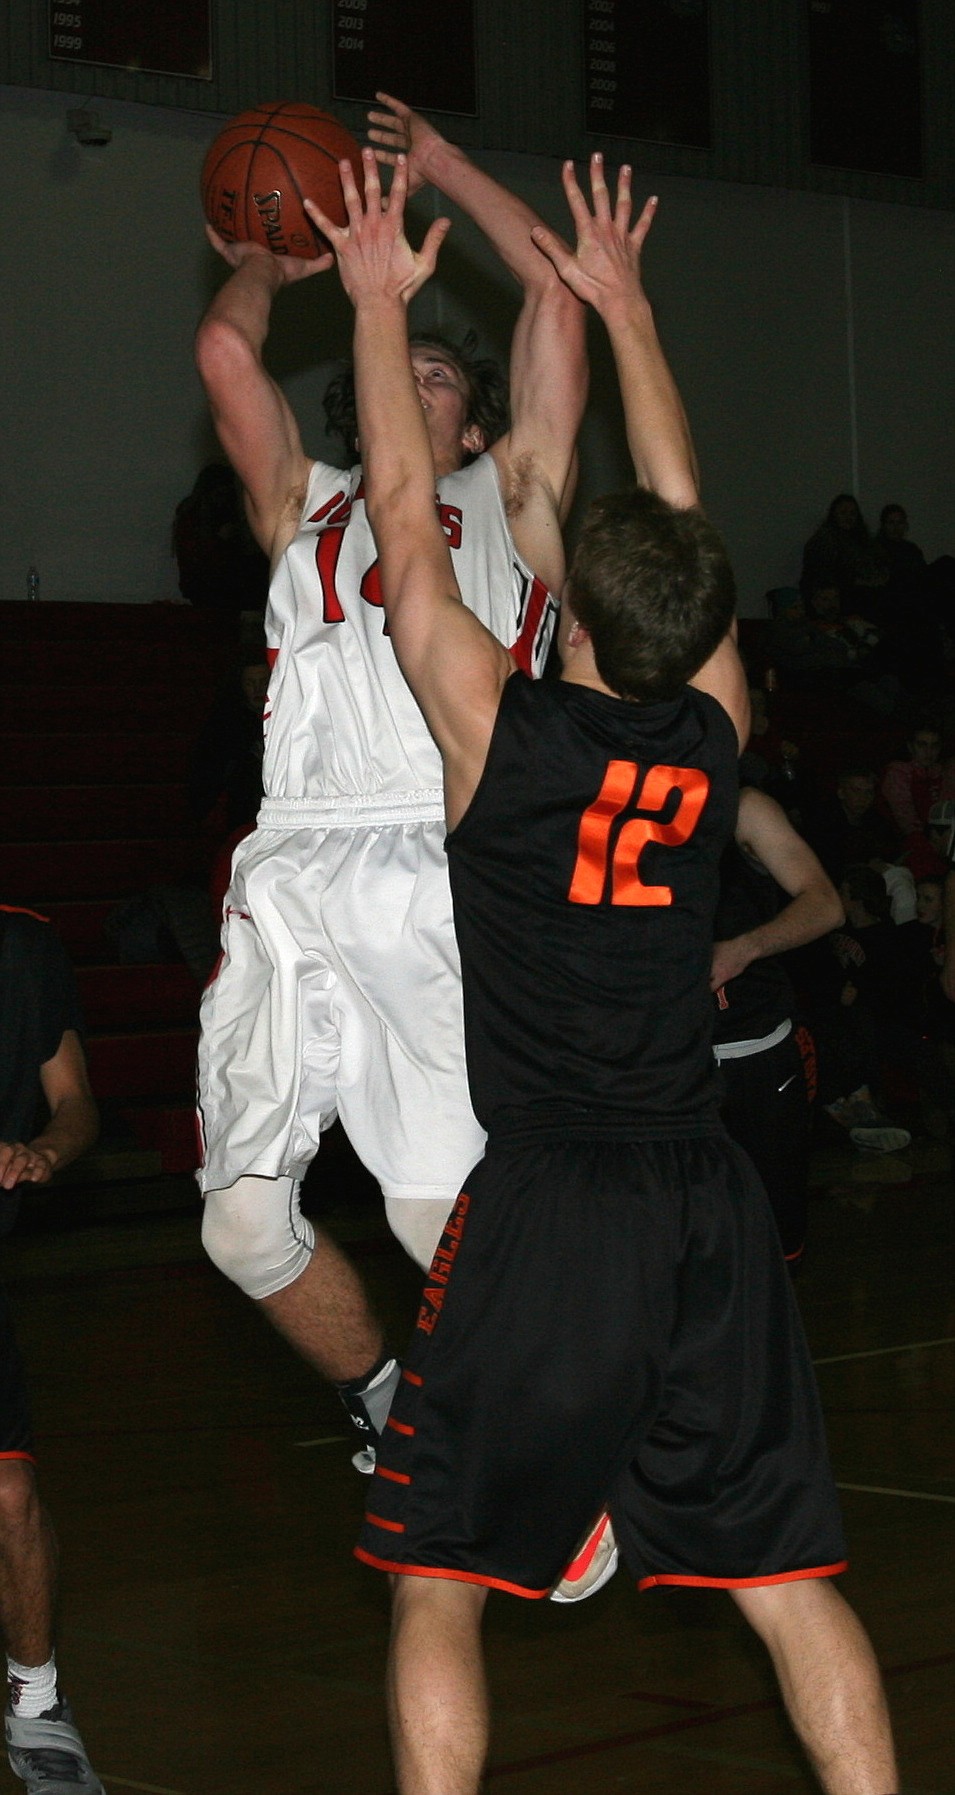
x=374, y=256
x=401, y=132
x=604, y=269
x=287, y=268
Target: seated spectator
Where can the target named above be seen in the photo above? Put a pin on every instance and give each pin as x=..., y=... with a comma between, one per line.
x=903, y=561
x=877, y=1023
x=910, y=787
x=221, y=567
x=841, y=553
x=847, y=830
x=802, y=643
x=885, y=989
x=929, y=853
x=939, y=1014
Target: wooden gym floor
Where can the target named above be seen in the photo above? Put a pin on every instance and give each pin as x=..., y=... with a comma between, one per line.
x=217, y=1637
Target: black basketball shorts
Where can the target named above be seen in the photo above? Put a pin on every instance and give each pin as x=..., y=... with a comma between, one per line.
x=16, y=1439
x=610, y=1323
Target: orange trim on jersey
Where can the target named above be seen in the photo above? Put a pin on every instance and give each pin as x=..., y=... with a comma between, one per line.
x=822, y=1570
x=21, y=910
x=389, y=1526
x=427, y=1570
x=411, y=1377
x=29, y=1456
x=400, y=1427
x=392, y=1476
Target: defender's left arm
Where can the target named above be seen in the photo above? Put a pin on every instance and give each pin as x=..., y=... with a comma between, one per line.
x=454, y=666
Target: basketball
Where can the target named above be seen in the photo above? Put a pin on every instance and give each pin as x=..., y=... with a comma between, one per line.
x=264, y=163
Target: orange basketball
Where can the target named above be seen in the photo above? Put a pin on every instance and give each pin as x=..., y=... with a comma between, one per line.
x=264, y=163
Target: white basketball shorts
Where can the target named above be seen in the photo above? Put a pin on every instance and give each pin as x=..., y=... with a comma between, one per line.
x=339, y=992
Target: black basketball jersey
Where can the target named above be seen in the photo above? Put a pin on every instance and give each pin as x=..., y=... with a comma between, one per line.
x=584, y=877
x=754, y=1004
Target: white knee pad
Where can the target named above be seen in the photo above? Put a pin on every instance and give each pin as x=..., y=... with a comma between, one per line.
x=418, y=1223
x=256, y=1234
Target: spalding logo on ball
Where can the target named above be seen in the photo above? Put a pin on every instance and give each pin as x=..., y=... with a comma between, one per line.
x=264, y=163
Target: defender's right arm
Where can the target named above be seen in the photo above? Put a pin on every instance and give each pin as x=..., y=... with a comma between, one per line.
x=604, y=270
x=253, y=419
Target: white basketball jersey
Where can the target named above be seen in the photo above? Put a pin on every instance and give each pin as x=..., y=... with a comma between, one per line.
x=340, y=720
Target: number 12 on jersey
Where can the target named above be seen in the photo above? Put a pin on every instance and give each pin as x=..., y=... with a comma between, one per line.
x=601, y=848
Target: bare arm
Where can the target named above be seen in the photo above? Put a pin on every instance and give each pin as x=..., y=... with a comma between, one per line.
x=253, y=419
x=604, y=271
x=454, y=666
x=71, y=1129
x=536, y=459
x=764, y=831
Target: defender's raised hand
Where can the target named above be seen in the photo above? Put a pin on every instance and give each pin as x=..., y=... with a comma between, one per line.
x=605, y=267
x=399, y=131
x=373, y=254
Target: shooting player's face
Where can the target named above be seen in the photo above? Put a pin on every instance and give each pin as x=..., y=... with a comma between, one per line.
x=443, y=391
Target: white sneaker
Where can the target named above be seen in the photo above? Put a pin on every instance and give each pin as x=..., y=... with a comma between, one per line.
x=880, y=1140
x=48, y=1754
x=592, y=1566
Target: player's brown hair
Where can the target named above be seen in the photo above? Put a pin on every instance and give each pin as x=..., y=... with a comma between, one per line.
x=487, y=391
x=653, y=587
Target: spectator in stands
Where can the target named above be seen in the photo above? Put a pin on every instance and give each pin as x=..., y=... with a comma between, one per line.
x=805, y=646
x=910, y=787
x=841, y=554
x=846, y=829
x=878, y=1025
x=221, y=567
x=41, y=1059
x=914, y=639
x=939, y=1013
x=903, y=561
x=928, y=854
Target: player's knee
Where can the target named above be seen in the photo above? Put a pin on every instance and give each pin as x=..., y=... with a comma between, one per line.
x=19, y=1498
x=418, y=1224
x=255, y=1233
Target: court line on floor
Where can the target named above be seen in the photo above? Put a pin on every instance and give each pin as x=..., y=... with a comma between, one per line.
x=881, y=1352
x=618, y=1741
x=876, y=1489
x=123, y=1782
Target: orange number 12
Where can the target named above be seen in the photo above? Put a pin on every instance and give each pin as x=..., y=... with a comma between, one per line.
x=596, y=825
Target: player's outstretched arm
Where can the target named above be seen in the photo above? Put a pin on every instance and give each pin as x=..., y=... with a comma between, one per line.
x=764, y=831
x=604, y=271
x=455, y=668
x=548, y=363
x=253, y=419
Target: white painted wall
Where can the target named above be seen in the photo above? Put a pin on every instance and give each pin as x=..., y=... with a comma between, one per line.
x=811, y=335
